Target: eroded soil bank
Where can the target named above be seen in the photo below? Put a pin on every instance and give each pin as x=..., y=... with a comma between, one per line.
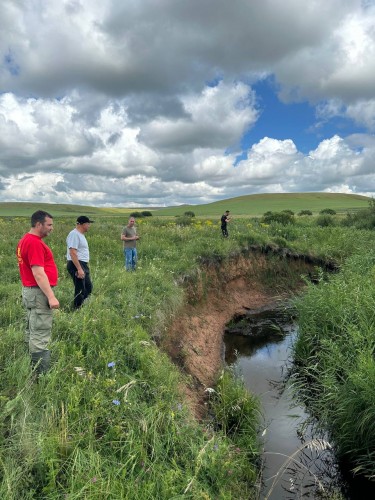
x=220, y=291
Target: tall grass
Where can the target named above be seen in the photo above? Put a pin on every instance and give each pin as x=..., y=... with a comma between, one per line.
x=334, y=358
x=109, y=419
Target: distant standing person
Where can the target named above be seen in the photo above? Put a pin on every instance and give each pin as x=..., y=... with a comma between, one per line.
x=224, y=221
x=78, y=256
x=129, y=237
x=39, y=275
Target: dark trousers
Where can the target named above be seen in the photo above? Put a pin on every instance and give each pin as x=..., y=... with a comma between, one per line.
x=224, y=231
x=82, y=286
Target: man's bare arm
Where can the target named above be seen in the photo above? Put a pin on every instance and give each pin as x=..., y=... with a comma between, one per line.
x=43, y=283
x=74, y=256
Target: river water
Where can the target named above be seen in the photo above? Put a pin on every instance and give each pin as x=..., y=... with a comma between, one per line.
x=297, y=462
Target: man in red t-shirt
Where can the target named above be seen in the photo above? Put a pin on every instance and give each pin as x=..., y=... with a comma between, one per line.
x=39, y=275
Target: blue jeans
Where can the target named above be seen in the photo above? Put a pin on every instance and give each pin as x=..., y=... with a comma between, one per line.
x=130, y=258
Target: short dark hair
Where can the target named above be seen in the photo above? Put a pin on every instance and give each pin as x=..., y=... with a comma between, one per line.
x=39, y=216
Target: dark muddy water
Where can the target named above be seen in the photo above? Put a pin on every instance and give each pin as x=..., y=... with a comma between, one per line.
x=297, y=462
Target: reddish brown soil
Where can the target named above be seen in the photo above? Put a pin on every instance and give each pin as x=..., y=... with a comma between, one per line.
x=195, y=338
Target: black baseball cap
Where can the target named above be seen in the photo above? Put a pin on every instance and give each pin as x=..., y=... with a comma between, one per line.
x=82, y=219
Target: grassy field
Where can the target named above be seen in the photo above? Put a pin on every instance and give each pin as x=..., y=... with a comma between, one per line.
x=249, y=206
x=109, y=420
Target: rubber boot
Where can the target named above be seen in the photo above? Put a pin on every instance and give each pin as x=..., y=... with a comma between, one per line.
x=40, y=361
x=46, y=361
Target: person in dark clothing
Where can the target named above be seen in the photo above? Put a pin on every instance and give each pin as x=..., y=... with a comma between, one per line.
x=78, y=257
x=224, y=220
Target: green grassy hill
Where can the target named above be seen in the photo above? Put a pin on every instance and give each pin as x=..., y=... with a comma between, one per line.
x=250, y=205
x=258, y=204
x=27, y=208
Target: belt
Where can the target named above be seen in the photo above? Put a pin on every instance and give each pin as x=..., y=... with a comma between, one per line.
x=36, y=286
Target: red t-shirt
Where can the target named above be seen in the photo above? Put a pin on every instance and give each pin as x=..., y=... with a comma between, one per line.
x=32, y=251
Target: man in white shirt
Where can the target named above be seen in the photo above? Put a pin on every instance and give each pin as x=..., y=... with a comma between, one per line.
x=78, y=256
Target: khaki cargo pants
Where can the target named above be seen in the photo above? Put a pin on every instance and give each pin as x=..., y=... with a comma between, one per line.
x=38, y=319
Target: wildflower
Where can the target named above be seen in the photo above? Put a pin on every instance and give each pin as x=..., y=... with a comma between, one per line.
x=116, y=402
x=111, y=364
x=216, y=446
x=94, y=479
x=179, y=407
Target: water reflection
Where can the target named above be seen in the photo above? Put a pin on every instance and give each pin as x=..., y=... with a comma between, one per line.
x=297, y=463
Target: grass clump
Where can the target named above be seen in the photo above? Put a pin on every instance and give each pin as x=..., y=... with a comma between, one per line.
x=325, y=221
x=334, y=358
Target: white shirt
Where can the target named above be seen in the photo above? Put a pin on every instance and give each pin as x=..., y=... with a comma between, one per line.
x=78, y=241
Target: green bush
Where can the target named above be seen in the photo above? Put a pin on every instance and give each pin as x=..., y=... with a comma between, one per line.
x=184, y=220
x=189, y=213
x=290, y=212
x=146, y=213
x=328, y=211
x=305, y=212
x=325, y=221
x=279, y=217
x=363, y=219
x=135, y=214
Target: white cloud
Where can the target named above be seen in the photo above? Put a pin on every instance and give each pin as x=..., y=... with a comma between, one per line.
x=363, y=113
x=148, y=102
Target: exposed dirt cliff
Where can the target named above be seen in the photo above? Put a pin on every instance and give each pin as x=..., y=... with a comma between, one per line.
x=220, y=291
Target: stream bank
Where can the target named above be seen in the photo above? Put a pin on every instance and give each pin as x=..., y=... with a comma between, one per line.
x=221, y=290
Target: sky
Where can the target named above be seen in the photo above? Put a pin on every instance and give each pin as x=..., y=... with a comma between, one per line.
x=142, y=103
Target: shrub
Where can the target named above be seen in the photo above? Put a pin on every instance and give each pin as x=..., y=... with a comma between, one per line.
x=184, y=220
x=325, y=221
x=135, y=214
x=305, y=212
x=328, y=211
x=290, y=212
x=146, y=213
x=363, y=219
x=189, y=213
x=279, y=217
